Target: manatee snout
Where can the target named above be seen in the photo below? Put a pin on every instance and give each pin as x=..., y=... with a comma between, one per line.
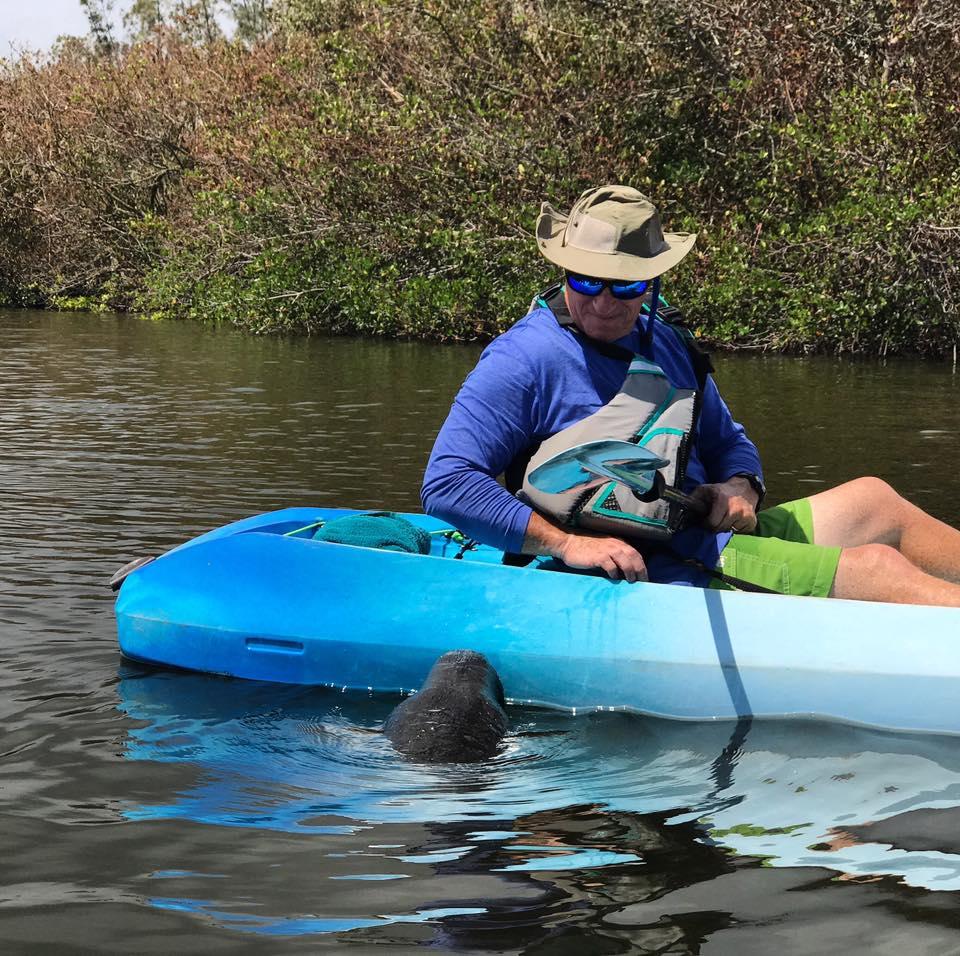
x=457, y=716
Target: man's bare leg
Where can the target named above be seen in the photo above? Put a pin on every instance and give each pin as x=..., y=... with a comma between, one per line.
x=869, y=511
x=893, y=550
x=878, y=572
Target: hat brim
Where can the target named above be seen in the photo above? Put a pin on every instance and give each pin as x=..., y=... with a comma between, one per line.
x=603, y=265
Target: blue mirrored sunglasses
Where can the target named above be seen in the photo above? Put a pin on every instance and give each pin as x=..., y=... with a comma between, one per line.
x=587, y=285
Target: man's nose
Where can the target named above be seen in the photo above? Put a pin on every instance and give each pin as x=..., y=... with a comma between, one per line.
x=605, y=302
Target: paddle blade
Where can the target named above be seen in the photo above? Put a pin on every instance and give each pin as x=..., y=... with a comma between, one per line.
x=636, y=476
x=584, y=465
x=561, y=473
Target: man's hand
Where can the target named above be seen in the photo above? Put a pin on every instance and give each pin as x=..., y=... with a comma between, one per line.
x=732, y=505
x=614, y=556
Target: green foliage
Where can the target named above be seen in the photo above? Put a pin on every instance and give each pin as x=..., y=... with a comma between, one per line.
x=143, y=17
x=251, y=19
x=377, y=167
x=99, y=15
x=754, y=830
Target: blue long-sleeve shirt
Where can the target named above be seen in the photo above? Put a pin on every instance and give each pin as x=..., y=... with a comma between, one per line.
x=537, y=379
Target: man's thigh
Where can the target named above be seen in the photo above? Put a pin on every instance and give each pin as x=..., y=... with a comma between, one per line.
x=862, y=511
x=782, y=555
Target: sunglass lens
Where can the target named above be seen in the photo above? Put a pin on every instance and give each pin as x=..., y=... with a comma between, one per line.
x=584, y=284
x=628, y=290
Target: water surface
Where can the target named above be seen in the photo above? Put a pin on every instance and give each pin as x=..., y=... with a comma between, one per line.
x=147, y=811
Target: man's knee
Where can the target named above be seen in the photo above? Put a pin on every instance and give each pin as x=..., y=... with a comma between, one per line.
x=879, y=510
x=859, y=512
x=872, y=559
x=874, y=490
x=869, y=572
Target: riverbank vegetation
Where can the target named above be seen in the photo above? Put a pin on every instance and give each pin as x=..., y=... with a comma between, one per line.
x=371, y=166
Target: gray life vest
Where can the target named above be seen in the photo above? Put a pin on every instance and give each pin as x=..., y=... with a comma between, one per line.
x=648, y=410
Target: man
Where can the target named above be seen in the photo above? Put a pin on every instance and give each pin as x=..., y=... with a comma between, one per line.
x=593, y=360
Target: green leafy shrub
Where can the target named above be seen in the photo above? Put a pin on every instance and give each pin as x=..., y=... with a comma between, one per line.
x=377, y=168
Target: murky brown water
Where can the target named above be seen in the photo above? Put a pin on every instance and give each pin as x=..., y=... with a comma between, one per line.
x=154, y=812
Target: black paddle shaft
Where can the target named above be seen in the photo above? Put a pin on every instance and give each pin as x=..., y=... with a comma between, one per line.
x=659, y=489
x=696, y=506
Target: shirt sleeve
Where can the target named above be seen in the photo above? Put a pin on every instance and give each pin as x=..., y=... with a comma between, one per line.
x=489, y=424
x=723, y=446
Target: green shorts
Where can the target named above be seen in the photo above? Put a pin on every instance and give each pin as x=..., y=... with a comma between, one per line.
x=780, y=554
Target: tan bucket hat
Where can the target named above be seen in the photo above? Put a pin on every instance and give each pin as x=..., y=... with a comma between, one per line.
x=612, y=232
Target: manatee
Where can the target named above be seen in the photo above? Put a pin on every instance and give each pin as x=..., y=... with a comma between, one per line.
x=457, y=716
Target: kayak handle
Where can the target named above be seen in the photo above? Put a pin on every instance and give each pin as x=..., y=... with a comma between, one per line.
x=121, y=575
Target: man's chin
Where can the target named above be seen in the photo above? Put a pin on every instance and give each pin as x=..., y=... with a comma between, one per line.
x=608, y=330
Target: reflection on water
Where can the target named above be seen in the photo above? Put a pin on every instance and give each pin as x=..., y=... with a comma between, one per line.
x=153, y=811
x=312, y=761
x=612, y=811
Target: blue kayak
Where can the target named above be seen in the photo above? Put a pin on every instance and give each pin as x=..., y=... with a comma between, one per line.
x=261, y=599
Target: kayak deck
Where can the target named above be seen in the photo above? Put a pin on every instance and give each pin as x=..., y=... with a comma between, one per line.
x=253, y=600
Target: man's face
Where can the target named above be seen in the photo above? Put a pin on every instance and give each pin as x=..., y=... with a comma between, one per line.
x=602, y=316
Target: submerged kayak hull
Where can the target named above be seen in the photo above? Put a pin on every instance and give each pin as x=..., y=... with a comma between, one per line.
x=251, y=601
